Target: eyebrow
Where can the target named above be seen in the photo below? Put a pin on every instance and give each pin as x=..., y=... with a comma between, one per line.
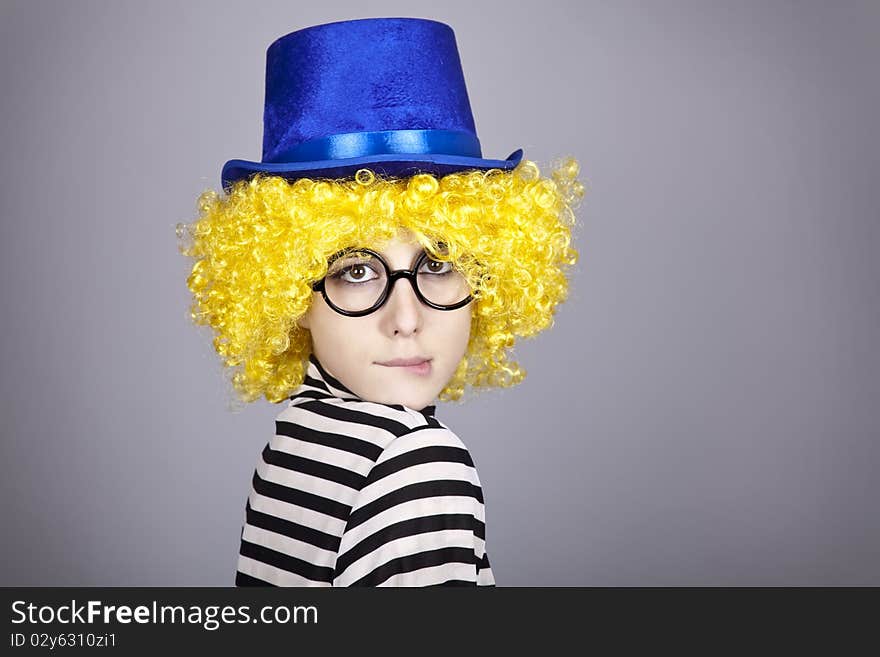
x=384, y=256
x=354, y=249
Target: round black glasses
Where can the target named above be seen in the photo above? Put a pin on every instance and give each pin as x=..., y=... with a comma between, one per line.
x=359, y=282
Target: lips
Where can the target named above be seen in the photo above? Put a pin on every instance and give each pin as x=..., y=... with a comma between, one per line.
x=405, y=362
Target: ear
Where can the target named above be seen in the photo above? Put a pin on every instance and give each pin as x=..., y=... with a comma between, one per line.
x=303, y=322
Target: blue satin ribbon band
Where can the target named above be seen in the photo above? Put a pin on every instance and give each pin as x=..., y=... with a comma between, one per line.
x=382, y=142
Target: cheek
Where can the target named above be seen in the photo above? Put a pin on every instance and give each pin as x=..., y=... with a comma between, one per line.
x=326, y=329
x=459, y=326
x=341, y=334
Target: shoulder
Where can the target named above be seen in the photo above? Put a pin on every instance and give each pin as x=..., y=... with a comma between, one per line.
x=418, y=519
x=431, y=442
x=377, y=423
x=426, y=462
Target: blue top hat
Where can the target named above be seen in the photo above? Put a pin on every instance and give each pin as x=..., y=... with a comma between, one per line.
x=381, y=93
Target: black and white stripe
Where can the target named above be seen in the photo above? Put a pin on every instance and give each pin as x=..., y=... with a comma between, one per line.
x=356, y=493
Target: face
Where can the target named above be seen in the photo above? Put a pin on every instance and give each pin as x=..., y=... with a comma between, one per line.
x=353, y=349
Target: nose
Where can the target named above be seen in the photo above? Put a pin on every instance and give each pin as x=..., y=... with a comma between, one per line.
x=403, y=308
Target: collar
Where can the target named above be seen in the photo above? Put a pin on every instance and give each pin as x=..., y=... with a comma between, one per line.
x=317, y=379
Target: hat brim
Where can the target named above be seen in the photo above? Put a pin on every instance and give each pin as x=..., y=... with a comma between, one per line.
x=393, y=164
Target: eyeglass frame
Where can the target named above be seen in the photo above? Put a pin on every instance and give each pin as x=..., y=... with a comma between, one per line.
x=391, y=279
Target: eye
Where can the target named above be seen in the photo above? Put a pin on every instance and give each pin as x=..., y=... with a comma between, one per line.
x=438, y=267
x=354, y=270
x=356, y=273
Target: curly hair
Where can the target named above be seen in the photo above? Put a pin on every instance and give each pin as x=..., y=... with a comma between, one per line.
x=259, y=247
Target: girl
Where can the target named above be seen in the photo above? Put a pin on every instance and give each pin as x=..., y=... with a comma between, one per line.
x=372, y=263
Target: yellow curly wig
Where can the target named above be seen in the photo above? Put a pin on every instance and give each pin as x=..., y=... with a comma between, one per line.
x=258, y=248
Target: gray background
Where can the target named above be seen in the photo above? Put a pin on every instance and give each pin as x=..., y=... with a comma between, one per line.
x=704, y=411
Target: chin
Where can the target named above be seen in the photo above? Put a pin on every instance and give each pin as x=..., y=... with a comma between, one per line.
x=405, y=398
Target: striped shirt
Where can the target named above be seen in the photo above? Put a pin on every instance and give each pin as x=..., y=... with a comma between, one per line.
x=356, y=493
